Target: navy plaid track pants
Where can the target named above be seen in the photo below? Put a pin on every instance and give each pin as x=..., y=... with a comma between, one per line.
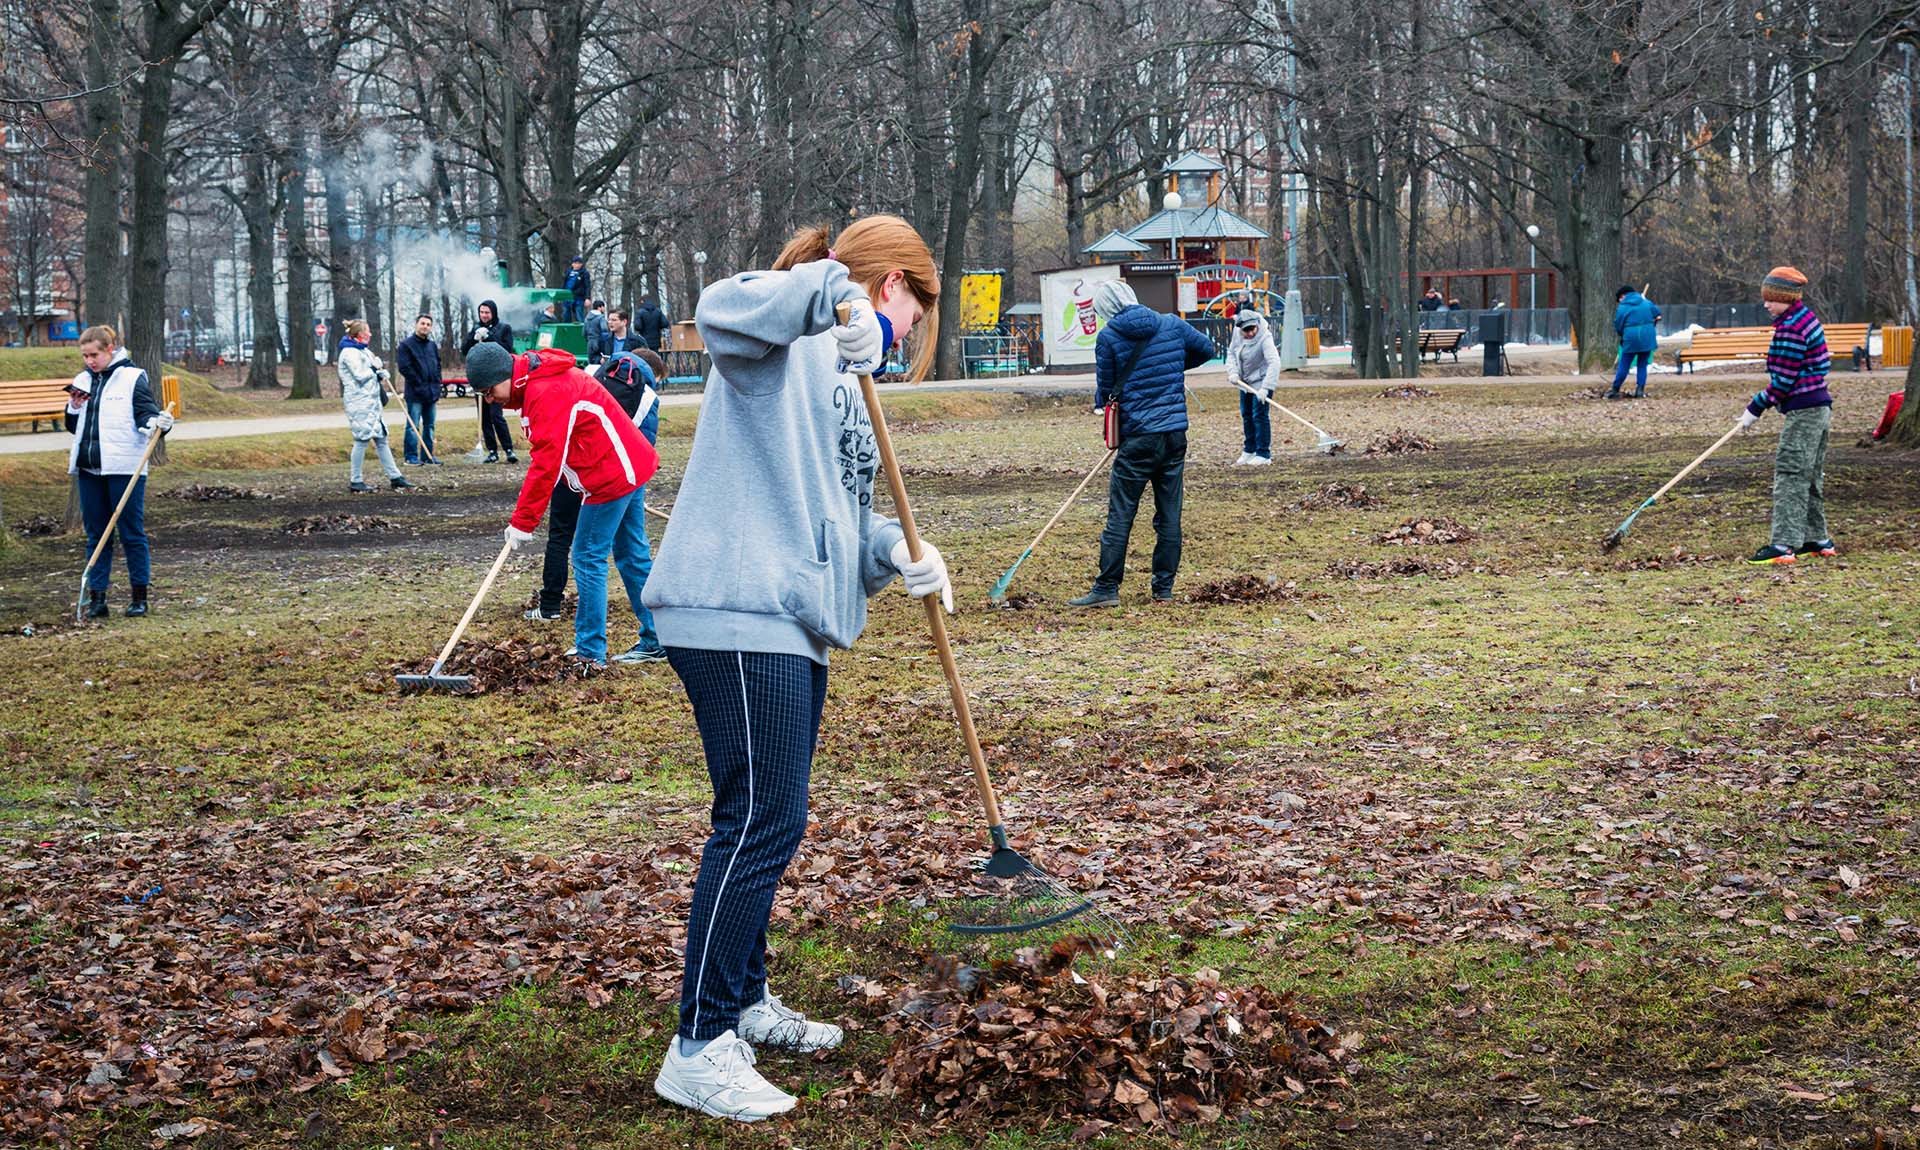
x=759, y=717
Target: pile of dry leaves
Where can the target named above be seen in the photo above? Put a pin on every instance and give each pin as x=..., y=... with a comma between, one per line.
x=569, y=605
x=1249, y=589
x=512, y=665
x=1403, y=567
x=217, y=493
x=1408, y=391
x=1022, y=601
x=1425, y=529
x=1123, y=1052
x=339, y=524
x=1401, y=443
x=34, y=525
x=1338, y=495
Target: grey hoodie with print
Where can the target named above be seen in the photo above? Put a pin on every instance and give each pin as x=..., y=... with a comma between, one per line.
x=1253, y=360
x=773, y=545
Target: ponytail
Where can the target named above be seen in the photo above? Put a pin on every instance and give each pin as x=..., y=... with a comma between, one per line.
x=872, y=248
x=101, y=334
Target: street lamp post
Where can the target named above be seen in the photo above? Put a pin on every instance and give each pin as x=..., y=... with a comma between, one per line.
x=1533, y=287
x=1173, y=203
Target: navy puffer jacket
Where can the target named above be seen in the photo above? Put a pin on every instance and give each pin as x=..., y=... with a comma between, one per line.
x=1153, y=398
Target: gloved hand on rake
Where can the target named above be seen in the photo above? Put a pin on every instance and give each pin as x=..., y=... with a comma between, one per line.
x=927, y=577
x=863, y=340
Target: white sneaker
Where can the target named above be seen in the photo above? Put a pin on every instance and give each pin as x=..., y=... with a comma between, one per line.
x=771, y=1022
x=721, y=1081
x=1246, y=457
x=1260, y=461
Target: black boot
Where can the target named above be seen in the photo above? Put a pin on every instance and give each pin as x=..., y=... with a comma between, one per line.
x=511, y=457
x=96, y=604
x=492, y=457
x=138, y=607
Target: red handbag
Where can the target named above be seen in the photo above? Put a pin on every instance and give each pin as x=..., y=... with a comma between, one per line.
x=1110, y=430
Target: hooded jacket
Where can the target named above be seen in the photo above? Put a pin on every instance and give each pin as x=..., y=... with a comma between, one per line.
x=500, y=331
x=362, y=389
x=1633, y=322
x=649, y=323
x=774, y=545
x=1253, y=360
x=1153, y=398
x=578, y=433
x=108, y=435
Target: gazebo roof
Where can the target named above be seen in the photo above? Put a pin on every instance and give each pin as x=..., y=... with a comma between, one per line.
x=1114, y=243
x=1214, y=223
x=1194, y=162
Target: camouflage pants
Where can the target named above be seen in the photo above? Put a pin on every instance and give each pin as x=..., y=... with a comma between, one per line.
x=1799, y=478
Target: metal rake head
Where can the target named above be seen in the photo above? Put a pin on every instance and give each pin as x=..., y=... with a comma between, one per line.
x=1013, y=896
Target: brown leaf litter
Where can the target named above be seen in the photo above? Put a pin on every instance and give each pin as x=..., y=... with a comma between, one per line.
x=1121, y=1051
x=1337, y=495
x=216, y=493
x=1022, y=601
x=1404, y=567
x=1249, y=589
x=1674, y=558
x=36, y=525
x=1425, y=529
x=1401, y=443
x=1407, y=391
x=511, y=664
x=340, y=523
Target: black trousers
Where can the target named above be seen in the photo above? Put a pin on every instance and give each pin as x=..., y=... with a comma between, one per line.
x=1159, y=459
x=493, y=428
x=563, y=515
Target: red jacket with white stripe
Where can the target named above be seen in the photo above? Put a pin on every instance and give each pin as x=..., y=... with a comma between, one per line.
x=578, y=433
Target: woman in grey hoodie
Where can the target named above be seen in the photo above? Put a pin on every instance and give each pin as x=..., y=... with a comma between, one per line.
x=767, y=565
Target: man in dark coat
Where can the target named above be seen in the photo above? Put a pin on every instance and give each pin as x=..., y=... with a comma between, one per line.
x=1141, y=359
x=493, y=422
x=418, y=359
x=650, y=323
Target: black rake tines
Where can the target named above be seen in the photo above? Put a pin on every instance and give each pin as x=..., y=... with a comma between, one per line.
x=1010, y=895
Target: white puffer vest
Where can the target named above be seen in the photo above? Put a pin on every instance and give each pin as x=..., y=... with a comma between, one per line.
x=121, y=443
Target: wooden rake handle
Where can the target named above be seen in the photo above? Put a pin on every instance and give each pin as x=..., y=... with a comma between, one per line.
x=1697, y=461
x=1104, y=460
x=486, y=585
x=418, y=436
x=1284, y=410
x=936, y=619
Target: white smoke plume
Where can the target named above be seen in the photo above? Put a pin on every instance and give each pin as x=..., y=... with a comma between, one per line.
x=425, y=259
x=382, y=162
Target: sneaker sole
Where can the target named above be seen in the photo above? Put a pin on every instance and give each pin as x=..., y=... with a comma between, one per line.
x=1779, y=561
x=625, y=661
x=672, y=1093
x=1092, y=606
x=795, y=1047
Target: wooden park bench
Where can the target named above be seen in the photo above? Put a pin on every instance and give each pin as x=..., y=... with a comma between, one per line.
x=1724, y=344
x=1438, y=340
x=33, y=400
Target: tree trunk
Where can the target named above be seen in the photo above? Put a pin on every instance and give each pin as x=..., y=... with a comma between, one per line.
x=923, y=213
x=344, y=294
x=104, y=278
x=256, y=210
x=1906, y=428
x=306, y=375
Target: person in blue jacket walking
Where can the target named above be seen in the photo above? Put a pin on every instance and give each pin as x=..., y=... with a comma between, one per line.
x=1141, y=359
x=1633, y=320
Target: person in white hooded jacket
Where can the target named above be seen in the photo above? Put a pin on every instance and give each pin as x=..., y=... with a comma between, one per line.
x=112, y=415
x=1254, y=361
x=363, y=385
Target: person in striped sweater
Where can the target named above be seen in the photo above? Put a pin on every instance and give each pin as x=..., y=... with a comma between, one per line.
x=1797, y=364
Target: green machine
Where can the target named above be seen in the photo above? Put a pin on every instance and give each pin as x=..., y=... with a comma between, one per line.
x=570, y=337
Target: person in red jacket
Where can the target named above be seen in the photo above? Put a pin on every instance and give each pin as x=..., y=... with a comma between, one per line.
x=578, y=433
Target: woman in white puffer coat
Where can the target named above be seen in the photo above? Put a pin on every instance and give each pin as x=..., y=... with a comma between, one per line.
x=363, y=383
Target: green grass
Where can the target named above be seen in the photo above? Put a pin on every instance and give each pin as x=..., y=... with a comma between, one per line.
x=197, y=396
x=1594, y=747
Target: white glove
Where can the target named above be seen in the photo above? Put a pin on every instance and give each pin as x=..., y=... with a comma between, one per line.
x=1233, y=380
x=925, y=577
x=861, y=343
x=1748, y=419
x=518, y=538
x=162, y=421
x=482, y=332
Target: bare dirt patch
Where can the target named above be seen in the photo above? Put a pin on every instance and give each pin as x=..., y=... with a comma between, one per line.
x=1249, y=589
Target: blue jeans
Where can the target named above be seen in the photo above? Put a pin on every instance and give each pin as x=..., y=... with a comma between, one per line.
x=1627, y=360
x=1256, y=426
x=573, y=311
x=422, y=414
x=617, y=528
x=759, y=717
x=98, y=495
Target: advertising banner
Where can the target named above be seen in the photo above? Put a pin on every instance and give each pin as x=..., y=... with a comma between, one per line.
x=1066, y=312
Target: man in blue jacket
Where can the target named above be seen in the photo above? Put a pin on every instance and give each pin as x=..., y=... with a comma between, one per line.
x=1634, y=317
x=580, y=283
x=1141, y=359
